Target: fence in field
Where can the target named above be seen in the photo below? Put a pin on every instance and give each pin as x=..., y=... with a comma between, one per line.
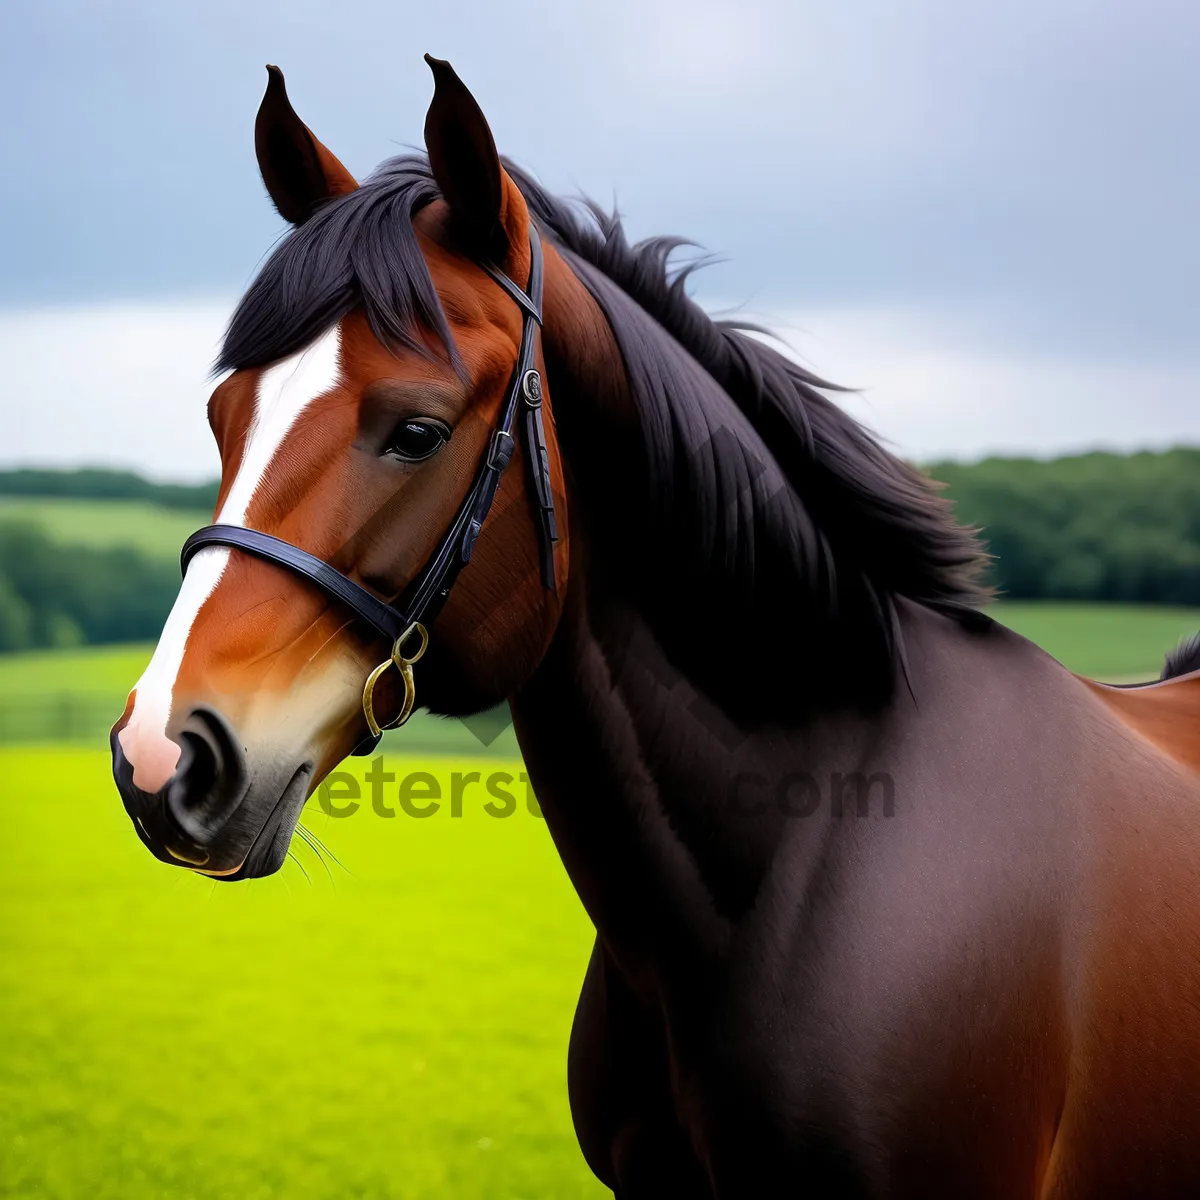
x=84, y=718
x=67, y=717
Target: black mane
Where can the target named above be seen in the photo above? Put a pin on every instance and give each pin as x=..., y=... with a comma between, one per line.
x=778, y=507
x=1184, y=659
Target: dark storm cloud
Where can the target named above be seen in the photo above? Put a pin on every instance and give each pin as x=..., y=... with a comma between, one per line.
x=1028, y=168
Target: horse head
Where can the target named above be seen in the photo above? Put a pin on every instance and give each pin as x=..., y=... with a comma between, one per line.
x=365, y=372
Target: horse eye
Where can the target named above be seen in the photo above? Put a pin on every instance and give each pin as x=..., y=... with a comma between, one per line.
x=418, y=439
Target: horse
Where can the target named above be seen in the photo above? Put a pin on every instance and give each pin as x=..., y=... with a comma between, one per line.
x=888, y=903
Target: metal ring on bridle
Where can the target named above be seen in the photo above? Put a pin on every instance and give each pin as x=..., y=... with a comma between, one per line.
x=404, y=666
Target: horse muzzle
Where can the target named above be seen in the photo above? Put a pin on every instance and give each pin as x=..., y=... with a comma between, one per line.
x=208, y=816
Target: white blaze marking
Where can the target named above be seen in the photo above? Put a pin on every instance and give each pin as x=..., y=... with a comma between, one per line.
x=284, y=392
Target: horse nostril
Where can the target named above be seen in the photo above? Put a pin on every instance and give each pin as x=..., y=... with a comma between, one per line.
x=209, y=781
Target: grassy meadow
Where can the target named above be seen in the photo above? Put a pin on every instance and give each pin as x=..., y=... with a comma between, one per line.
x=1116, y=642
x=390, y=1024
x=154, y=530
x=99, y=670
x=392, y=1027
x=75, y=695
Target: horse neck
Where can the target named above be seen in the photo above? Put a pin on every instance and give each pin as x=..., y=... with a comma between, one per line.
x=636, y=763
x=661, y=803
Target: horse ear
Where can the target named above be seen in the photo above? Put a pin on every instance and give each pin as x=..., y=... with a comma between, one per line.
x=298, y=171
x=487, y=208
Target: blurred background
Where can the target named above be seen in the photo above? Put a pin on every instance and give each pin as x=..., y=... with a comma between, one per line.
x=981, y=217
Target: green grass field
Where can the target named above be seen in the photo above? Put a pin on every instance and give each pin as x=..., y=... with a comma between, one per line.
x=75, y=695
x=151, y=528
x=1116, y=642
x=392, y=1027
x=396, y=1031
x=107, y=670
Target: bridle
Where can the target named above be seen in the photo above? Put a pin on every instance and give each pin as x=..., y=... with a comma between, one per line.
x=425, y=595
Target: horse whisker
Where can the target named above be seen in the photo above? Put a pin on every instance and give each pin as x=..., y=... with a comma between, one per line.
x=301, y=866
x=307, y=839
x=316, y=843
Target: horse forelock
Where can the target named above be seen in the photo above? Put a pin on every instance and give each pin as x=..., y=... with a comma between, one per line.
x=360, y=248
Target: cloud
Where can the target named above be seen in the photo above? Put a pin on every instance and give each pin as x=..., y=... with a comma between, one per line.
x=121, y=385
x=934, y=388
x=931, y=154
x=126, y=385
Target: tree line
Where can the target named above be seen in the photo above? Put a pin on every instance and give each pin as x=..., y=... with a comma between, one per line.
x=1104, y=527
x=98, y=483
x=1109, y=527
x=56, y=596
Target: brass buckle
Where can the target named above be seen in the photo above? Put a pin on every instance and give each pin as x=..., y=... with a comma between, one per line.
x=404, y=666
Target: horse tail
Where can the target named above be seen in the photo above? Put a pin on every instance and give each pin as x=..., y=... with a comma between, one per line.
x=1184, y=659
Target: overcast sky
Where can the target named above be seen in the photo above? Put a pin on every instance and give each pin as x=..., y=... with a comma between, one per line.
x=983, y=215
